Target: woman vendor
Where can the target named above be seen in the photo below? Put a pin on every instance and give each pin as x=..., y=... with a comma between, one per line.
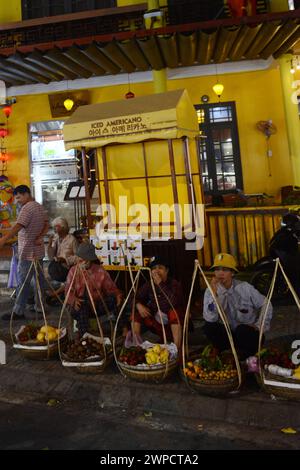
x=170, y=301
x=103, y=290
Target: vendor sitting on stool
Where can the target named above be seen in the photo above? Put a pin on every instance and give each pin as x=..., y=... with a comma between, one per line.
x=101, y=286
x=172, y=310
x=61, y=251
x=241, y=303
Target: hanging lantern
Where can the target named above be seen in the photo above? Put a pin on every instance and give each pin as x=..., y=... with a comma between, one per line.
x=68, y=104
x=3, y=132
x=218, y=89
x=129, y=95
x=7, y=111
x=3, y=156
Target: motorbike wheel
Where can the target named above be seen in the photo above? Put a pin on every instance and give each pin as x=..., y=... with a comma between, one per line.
x=261, y=280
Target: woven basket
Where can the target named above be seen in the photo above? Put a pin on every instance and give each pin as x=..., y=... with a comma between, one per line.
x=151, y=373
x=94, y=365
x=212, y=387
x=276, y=385
x=279, y=386
x=35, y=350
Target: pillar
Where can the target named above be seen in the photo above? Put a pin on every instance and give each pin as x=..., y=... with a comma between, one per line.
x=291, y=115
x=10, y=11
x=159, y=76
x=279, y=5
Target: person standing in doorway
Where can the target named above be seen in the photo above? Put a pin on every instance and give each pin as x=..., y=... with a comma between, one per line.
x=31, y=226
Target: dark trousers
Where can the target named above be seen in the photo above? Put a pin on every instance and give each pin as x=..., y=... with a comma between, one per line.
x=85, y=312
x=245, y=338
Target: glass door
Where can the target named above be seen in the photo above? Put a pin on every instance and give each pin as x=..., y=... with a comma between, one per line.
x=52, y=169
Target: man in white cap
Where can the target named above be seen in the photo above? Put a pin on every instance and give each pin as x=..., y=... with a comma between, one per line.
x=241, y=303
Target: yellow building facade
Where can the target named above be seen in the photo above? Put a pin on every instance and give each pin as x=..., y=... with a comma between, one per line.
x=259, y=95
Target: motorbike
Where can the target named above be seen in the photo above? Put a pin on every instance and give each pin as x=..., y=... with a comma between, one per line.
x=263, y=275
x=285, y=246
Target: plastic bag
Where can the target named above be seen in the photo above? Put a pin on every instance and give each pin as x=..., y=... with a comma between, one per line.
x=132, y=340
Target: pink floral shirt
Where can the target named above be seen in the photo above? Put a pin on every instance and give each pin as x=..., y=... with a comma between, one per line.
x=99, y=282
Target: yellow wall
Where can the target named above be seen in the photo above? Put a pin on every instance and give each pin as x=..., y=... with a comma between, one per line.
x=27, y=109
x=123, y=3
x=10, y=11
x=257, y=95
x=127, y=161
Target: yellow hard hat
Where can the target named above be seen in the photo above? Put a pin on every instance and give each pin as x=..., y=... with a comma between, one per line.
x=225, y=260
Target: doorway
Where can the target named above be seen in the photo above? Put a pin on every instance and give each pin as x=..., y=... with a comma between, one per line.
x=52, y=169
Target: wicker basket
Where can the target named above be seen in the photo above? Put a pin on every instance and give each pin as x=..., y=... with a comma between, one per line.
x=150, y=373
x=212, y=387
x=33, y=349
x=94, y=365
x=276, y=385
x=283, y=387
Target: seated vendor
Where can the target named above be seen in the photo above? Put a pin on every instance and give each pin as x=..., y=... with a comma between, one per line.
x=170, y=300
x=62, y=245
x=104, y=292
x=241, y=303
x=61, y=251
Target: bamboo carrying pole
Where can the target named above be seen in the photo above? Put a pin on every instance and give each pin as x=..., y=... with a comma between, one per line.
x=36, y=266
x=264, y=313
x=134, y=289
x=223, y=317
x=79, y=270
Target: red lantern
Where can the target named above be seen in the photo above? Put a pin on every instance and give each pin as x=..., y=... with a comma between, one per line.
x=129, y=95
x=7, y=111
x=3, y=132
x=240, y=8
x=3, y=156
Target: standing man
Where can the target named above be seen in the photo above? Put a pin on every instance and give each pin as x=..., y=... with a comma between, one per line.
x=31, y=226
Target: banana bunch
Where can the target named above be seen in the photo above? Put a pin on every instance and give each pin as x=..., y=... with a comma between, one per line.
x=296, y=374
x=156, y=355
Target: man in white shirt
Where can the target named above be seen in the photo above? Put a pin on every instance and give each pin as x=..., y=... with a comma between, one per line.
x=242, y=304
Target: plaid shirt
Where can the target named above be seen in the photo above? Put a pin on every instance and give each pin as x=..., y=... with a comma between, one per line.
x=98, y=280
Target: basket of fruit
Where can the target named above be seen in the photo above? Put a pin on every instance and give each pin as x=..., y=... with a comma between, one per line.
x=35, y=342
x=212, y=373
x=87, y=355
x=148, y=362
x=279, y=376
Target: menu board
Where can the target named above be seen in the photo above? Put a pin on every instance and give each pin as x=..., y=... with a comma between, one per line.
x=118, y=251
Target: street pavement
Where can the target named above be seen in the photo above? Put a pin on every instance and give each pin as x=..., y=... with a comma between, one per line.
x=37, y=426
x=249, y=418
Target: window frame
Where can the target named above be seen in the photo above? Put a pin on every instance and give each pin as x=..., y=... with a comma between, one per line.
x=44, y=8
x=206, y=129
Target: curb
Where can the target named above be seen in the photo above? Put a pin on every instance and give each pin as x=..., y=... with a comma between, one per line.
x=172, y=398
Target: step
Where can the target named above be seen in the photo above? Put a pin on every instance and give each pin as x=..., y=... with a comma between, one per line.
x=3, y=279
